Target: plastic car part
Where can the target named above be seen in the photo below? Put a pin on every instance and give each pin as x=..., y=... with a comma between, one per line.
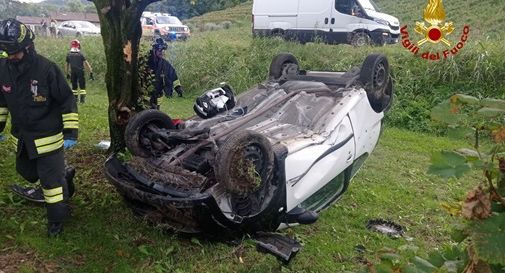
x=385, y=227
x=376, y=81
x=214, y=101
x=278, y=245
x=139, y=137
x=245, y=163
x=279, y=65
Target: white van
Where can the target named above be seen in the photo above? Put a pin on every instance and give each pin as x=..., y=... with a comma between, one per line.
x=356, y=22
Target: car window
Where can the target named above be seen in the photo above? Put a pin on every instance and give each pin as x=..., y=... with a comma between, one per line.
x=84, y=24
x=344, y=6
x=165, y=20
x=149, y=21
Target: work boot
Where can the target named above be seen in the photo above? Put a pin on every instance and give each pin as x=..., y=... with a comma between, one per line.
x=54, y=229
x=35, y=194
x=29, y=193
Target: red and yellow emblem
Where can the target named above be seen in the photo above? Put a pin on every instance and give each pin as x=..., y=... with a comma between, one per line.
x=434, y=14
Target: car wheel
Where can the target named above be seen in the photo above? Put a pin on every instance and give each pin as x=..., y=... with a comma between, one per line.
x=280, y=64
x=244, y=163
x=139, y=137
x=360, y=39
x=377, y=82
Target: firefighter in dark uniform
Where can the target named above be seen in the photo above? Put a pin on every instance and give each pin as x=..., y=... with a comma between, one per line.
x=165, y=80
x=74, y=69
x=44, y=118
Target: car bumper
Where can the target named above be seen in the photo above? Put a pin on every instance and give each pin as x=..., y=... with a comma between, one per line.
x=195, y=213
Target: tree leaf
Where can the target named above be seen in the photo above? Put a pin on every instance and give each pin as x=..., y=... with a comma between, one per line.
x=423, y=265
x=490, y=112
x=488, y=237
x=466, y=99
x=447, y=114
x=493, y=103
x=448, y=164
x=384, y=268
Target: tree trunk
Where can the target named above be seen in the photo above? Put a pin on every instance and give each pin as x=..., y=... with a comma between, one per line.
x=121, y=32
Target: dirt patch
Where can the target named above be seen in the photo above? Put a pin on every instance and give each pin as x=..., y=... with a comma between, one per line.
x=13, y=260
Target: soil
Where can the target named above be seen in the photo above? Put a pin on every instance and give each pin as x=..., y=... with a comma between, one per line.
x=12, y=260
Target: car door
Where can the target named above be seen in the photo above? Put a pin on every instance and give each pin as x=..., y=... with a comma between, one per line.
x=313, y=18
x=346, y=17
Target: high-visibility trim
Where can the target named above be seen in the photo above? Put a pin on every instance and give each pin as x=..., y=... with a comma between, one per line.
x=82, y=92
x=52, y=192
x=71, y=125
x=4, y=112
x=76, y=92
x=53, y=199
x=49, y=144
x=177, y=83
x=70, y=117
x=14, y=141
x=52, y=196
x=71, y=121
x=50, y=147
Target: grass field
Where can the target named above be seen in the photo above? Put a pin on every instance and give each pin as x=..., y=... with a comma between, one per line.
x=103, y=235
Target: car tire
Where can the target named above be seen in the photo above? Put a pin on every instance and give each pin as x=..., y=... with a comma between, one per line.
x=360, y=39
x=137, y=126
x=248, y=147
x=279, y=64
x=376, y=80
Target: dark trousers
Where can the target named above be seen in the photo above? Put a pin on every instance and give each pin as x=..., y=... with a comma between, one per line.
x=78, y=85
x=50, y=170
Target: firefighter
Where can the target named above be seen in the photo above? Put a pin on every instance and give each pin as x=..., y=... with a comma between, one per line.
x=44, y=118
x=165, y=80
x=74, y=69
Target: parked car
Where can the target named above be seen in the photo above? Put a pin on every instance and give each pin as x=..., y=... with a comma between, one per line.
x=278, y=153
x=356, y=22
x=164, y=25
x=77, y=29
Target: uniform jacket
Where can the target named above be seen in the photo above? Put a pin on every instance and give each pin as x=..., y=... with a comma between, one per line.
x=165, y=76
x=76, y=61
x=41, y=104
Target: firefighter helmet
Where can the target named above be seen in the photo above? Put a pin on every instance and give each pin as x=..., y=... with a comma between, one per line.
x=159, y=44
x=15, y=36
x=75, y=44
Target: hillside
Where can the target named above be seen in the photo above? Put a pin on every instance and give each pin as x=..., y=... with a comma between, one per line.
x=486, y=17
x=420, y=84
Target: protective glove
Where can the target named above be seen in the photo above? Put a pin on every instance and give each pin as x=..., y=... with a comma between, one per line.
x=69, y=143
x=2, y=137
x=179, y=90
x=91, y=76
x=68, y=76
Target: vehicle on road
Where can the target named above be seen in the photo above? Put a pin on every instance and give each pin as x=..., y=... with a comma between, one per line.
x=356, y=22
x=276, y=154
x=164, y=25
x=77, y=29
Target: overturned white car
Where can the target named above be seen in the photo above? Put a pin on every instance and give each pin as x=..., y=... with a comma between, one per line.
x=278, y=153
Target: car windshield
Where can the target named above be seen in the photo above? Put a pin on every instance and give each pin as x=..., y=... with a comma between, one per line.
x=369, y=4
x=83, y=24
x=168, y=20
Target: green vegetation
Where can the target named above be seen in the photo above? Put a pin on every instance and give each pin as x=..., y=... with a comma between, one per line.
x=104, y=236
x=479, y=233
